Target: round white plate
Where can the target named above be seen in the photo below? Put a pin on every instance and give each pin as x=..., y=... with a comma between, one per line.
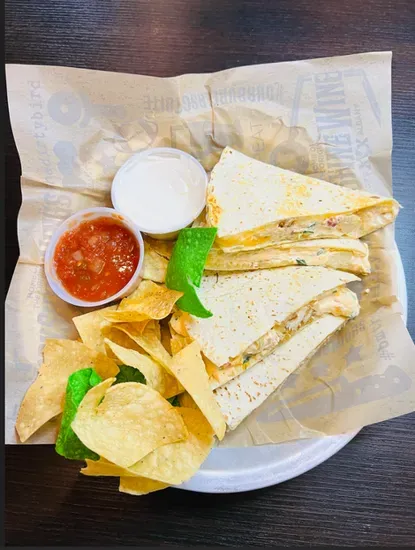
x=247, y=468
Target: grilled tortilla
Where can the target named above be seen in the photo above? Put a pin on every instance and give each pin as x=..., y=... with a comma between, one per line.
x=245, y=393
x=345, y=254
x=255, y=205
x=256, y=311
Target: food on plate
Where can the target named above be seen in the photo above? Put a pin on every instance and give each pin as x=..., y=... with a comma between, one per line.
x=254, y=205
x=89, y=326
x=345, y=254
x=139, y=486
x=256, y=311
x=154, y=265
x=190, y=371
x=251, y=292
x=124, y=422
x=96, y=259
x=45, y=398
x=68, y=443
x=148, y=301
x=241, y=396
x=155, y=375
x=172, y=463
x=186, y=266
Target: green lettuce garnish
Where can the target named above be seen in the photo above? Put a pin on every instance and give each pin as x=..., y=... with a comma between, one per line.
x=186, y=265
x=68, y=444
x=129, y=374
x=174, y=401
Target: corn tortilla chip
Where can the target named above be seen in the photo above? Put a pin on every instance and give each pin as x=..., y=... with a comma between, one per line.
x=125, y=422
x=186, y=400
x=152, y=327
x=189, y=369
x=102, y=467
x=177, y=462
x=154, y=266
x=153, y=300
x=148, y=341
x=89, y=327
x=46, y=396
x=178, y=322
x=140, y=486
x=163, y=248
x=156, y=376
x=165, y=335
x=178, y=342
x=126, y=316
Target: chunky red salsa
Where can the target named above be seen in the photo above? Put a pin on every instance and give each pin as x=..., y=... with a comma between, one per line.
x=96, y=259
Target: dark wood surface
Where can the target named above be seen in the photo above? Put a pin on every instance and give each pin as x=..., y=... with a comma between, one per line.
x=365, y=494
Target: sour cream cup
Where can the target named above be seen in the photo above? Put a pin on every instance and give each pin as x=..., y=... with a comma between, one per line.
x=71, y=223
x=162, y=190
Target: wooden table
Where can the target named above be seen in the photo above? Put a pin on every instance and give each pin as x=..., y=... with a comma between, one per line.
x=365, y=494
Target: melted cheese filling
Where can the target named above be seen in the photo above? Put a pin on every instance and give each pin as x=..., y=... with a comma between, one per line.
x=341, y=302
x=353, y=225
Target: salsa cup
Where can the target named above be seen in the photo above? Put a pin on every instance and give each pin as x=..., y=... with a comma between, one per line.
x=71, y=223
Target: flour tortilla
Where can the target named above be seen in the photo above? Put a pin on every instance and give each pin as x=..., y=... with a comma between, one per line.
x=245, y=393
x=247, y=305
x=255, y=205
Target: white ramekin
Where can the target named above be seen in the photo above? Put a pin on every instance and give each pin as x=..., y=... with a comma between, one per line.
x=141, y=156
x=68, y=225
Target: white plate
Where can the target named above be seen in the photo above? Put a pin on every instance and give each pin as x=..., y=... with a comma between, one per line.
x=245, y=469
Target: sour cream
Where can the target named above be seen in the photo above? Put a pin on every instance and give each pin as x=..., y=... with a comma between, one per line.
x=161, y=190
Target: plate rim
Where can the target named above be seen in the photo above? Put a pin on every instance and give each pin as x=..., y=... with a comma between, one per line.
x=206, y=482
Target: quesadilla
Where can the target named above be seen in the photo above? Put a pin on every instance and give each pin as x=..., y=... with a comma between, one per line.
x=255, y=205
x=242, y=395
x=345, y=254
x=256, y=311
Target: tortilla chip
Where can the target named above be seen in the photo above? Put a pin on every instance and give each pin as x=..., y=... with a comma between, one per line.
x=163, y=248
x=102, y=467
x=89, y=327
x=187, y=401
x=153, y=300
x=148, y=341
x=156, y=376
x=126, y=316
x=177, y=462
x=125, y=422
x=46, y=396
x=165, y=335
x=153, y=326
x=140, y=485
x=178, y=322
x=119, y=338
x=154, y=265
x=189, y=369
x=178, y=342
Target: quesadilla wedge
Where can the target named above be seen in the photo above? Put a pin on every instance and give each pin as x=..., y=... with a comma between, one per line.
x=245, y=393
x=256, y=311
x=345, y=254
x=255, y=205
x=349, y=255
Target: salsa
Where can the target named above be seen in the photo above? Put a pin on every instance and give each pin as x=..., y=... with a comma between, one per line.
x=96, y=259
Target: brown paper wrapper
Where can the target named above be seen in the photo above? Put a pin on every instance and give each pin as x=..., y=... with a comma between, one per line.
x=327, y=117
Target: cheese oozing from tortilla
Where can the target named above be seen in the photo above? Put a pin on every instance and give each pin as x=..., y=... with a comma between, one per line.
x=247, y=305
x=255, y=205
x=341, y=302
x=345, y=254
